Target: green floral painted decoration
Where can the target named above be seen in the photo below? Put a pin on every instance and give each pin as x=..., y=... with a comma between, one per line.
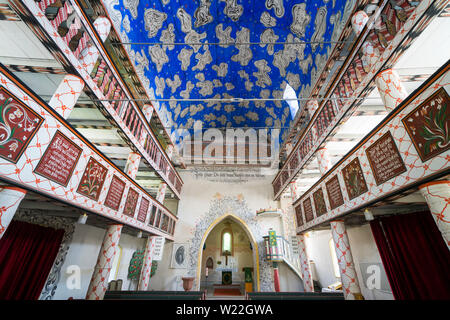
x=134, y=270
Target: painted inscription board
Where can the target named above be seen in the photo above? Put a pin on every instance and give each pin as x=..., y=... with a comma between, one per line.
x=428, y=125
x=307, y=207
x=354, y=179
x=384, y=159
x=18, y=125
x=131, y=202
x=334, y=192
x=59, y=159
x=92, y=180
x=115, y=193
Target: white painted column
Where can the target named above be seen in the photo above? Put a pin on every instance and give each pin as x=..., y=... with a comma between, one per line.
x=108, y=250
x=437, y=195
x=161, y=192
x=391, y=89
x=323, y=159
x=132, y=165
x=66, y=95
x=89, y=56
x=10, y=198
x=147, y=110
x=370, y=53
x=294, y=190
x=169, y=151
x=304, y=265
x=144, y=278
x=349, y=278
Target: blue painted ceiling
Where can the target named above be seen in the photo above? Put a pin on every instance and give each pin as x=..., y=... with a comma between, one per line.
x=233, y=71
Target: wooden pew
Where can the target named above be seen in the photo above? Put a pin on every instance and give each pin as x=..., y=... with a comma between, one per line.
x=294, y=296
x=155, y=295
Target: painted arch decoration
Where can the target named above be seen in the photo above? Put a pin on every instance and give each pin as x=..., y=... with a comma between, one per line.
x=216, y=70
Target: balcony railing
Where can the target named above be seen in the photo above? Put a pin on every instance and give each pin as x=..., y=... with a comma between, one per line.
x=67, y=32
x=41, y=152
x=398, y=20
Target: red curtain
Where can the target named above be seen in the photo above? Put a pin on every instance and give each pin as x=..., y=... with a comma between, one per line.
x=414, y=255
x=27, y=253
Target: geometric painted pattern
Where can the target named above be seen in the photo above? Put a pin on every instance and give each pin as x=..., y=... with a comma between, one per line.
x=22, y=172
x=416, y=170
x=304, y=264
x=144, y=279
x=349, y=278
x=108, y=250
x=397, y=26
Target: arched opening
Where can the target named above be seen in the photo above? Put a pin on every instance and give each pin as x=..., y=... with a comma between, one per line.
x=229, y=247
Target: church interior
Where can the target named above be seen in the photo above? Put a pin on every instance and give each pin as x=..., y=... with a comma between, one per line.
x=224, y=150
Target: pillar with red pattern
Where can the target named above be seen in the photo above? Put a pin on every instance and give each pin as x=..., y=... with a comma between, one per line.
x=144, y=278
x=349, y=278
x=132, y=165
x=108, y=250
x=323, y=160
x=370, y=53
x=66, y=95
x=437, y=195
x=391, y=89
x=10, y=198
x=89, y=56
x=304, y=265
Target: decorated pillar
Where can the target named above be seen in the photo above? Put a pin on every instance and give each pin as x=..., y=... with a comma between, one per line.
x=294, y=190
x=10, y=198
x=304, y=265
x=437, y=195
x=132, y=165
x=148, y=112
x=349, y=278
x=89, y=56
x=161, y=192
x=289, y=148
x=146, y=269
x=108, y=250
x=66, y=95
x=391, y=89
x=276, y=277
x=323, y=159
x=169, y=151
x=370, y=53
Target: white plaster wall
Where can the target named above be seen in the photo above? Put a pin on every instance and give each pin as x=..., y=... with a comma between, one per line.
x=196, y=199
x=289, y=281
x=83, y=252
x=363, y=249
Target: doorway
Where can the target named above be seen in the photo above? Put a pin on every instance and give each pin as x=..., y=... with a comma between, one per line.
x=227, y=259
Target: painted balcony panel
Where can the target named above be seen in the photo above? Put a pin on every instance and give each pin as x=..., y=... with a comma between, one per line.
x=411, y=146
x=41, y=152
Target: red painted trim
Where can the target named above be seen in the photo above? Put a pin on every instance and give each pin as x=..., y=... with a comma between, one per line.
x=434, y=183
x=14, y=188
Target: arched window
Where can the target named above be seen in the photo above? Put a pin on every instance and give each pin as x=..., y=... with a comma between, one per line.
x=288, y=94
x=227, y=242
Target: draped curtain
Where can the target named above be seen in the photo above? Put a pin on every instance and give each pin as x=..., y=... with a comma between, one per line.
x=27, y=253
x=414, y=255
